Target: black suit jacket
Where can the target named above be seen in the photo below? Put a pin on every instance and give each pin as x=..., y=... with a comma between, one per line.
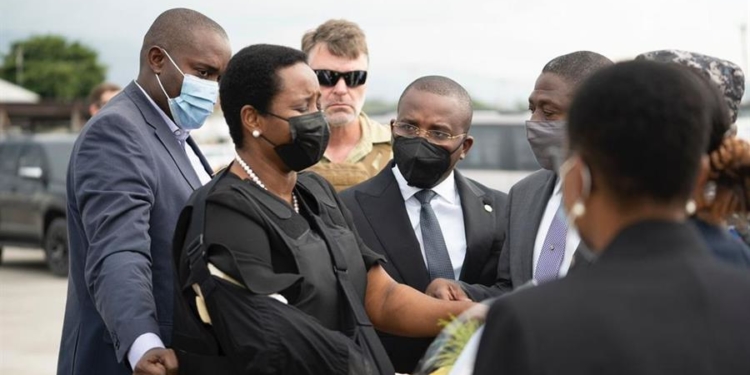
x=380, y=216
x=526, y=204
x=655, y=302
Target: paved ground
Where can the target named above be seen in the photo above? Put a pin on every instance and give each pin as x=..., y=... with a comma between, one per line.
x=32, y=304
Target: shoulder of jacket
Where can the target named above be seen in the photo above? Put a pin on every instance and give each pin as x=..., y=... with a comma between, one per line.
x=379, y=133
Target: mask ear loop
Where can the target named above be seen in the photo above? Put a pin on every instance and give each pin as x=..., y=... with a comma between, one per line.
x=579, y=209
x=158, y=80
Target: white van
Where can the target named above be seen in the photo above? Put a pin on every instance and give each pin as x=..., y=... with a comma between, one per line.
x=501, y=155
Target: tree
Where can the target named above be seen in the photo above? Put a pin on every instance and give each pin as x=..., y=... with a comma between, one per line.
x=52, y=67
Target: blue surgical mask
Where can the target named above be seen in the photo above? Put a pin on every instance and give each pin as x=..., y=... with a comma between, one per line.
x=196, y=100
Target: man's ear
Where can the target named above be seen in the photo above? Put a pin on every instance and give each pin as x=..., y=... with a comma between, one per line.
x=468, y=142
x=155, y=57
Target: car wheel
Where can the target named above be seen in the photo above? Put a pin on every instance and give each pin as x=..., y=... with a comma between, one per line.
x=56, y=247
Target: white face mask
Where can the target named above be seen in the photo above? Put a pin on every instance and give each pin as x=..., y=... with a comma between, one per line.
x=579, y=208
x=196, y=100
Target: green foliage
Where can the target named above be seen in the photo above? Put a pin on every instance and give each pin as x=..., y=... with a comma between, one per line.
x=480, y=105
x=459, y=333
x=378, y=107
x=53, y=67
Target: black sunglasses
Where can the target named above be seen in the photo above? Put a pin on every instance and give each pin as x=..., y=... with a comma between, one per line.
x=331, y=77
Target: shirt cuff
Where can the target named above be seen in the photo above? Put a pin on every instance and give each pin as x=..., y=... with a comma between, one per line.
x=141, y=345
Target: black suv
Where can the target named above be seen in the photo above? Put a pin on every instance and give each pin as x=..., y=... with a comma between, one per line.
x=32, y=195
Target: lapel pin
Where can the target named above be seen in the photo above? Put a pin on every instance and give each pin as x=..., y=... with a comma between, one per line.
x=488, y=208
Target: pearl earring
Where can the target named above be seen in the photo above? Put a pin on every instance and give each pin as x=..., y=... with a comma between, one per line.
x=578, y=210
x=690, y=207
x=256, y=133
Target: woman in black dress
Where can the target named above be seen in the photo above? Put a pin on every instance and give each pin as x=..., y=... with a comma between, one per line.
x=270, y=230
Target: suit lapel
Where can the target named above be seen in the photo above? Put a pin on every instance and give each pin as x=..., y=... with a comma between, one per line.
x=536, y=198
x=164, y=135
x=383, y=206
x=477, y=225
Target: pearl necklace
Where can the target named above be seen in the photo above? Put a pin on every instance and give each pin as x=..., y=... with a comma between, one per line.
x=257, y=180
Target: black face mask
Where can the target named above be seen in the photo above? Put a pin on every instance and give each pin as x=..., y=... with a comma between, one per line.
x=310, y=136
x=421, y=162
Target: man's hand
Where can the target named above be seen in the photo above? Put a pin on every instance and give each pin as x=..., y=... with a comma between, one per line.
x=157, y=361
x=445, y=289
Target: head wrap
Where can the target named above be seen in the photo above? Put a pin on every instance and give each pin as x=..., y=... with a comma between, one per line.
x=725, y=74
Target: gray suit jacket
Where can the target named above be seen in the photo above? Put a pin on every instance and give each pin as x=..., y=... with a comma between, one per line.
x=127, y=182
x=527, y=201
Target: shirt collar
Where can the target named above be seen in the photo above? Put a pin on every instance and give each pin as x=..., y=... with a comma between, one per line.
x=179, y=133
x=558, y=186
x=446, y=189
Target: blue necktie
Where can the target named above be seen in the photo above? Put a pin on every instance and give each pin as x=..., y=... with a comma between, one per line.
x=438, y=261
x=553, y=250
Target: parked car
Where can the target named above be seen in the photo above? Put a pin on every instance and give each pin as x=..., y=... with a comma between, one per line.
x=32, y=195
x=501, y=155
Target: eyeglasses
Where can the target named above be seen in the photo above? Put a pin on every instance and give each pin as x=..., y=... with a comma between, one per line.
x=435, y=136
x=331, y=77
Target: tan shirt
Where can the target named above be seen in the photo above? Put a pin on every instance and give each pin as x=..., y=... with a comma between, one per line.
x=371, y=154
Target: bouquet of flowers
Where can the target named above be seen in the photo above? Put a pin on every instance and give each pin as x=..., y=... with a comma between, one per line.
x=454, y=349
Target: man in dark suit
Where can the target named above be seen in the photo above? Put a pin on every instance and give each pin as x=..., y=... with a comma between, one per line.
x=431, y=134
x=132, y=169
x=538, y=245
x=655, y=301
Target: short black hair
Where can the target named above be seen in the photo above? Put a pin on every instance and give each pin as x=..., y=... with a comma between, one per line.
x=642, y=127
x=575, y=67
x=443, y=86
x=174, y=29
x=252, y=79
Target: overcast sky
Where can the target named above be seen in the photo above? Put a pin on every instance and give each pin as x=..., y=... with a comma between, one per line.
x=494, y=48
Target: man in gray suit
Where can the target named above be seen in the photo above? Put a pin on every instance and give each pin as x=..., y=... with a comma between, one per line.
x=538, y=242
x=133, y=167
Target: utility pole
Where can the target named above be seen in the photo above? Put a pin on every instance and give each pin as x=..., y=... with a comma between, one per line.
x=19, y=65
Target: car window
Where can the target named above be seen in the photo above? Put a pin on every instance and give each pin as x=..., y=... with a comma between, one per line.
x=9, y=158
x=500, y=147
x=58, y=155
x=31, y=157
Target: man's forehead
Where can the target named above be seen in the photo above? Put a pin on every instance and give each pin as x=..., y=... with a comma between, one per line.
x=444, y=109
x=320, y=57
x=550, y=87
x=213, y=50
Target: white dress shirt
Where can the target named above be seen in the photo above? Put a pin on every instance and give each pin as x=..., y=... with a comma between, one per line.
x=572, y=238
x=150, y=340
x=447, y=208
x=180, y=135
